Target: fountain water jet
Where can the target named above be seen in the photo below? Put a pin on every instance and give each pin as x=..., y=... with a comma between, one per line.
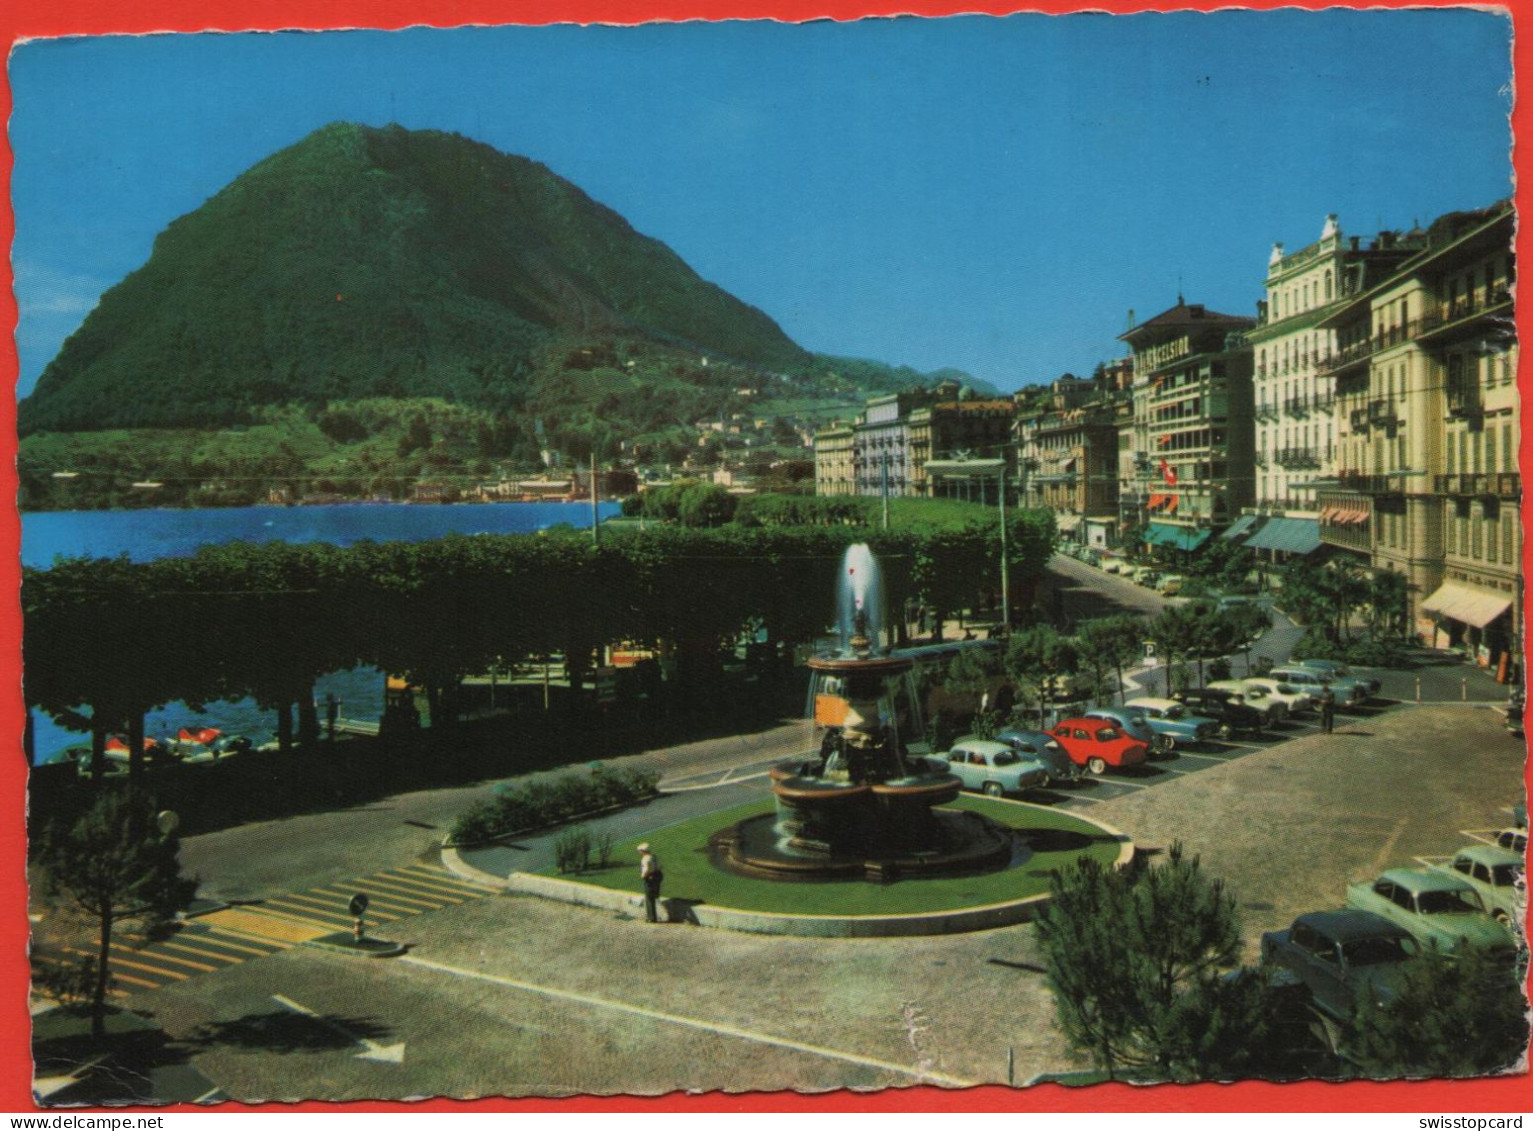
x=863, y=805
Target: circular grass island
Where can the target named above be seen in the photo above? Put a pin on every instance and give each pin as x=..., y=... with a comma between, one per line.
x=700, y=889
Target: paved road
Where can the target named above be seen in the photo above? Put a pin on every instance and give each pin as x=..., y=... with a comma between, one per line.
x=510, y=995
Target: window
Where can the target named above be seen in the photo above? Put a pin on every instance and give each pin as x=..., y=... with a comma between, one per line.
x=1328, y=284
x=1449, y=453
x=1508, y=450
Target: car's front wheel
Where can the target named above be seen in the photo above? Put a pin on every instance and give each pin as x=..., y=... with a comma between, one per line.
x=1097, y=766
x=1226, y=731
x=993, y=789
x=1168, y=743
x=1502, y=917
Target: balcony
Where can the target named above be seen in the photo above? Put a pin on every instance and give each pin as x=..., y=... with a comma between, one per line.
x=1490, y=485
x=1464, y=396
x=1463, y=309
x=1267, y=412
x=1381, y=414
x=1375, y=484
x=1289, y=458
x=1353, y=354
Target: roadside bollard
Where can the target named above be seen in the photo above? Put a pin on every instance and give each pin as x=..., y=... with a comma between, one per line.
x=358, y=908
x=1463, y=686
x=1418, y=689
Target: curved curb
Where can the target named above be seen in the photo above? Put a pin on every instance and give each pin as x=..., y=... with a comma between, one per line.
x=950, y=921
x=454, y=863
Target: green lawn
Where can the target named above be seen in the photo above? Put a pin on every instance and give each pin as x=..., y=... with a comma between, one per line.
x=689, y=874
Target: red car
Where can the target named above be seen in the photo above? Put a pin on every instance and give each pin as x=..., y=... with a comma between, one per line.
x=1099, y=743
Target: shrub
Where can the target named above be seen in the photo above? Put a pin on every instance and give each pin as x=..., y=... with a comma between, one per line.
x=1218, y=669
x=604, y=850
x=1316, y=645
x=572, y=849
x=520, y=806
x=1375, y=653
x=480, y=822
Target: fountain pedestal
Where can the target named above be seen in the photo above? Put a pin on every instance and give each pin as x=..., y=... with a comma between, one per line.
x=863, y=806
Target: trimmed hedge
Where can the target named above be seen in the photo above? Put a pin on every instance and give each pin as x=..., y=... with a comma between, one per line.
x=523, y=806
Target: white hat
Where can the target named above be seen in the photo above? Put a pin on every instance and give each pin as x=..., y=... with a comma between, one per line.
x=643, y=848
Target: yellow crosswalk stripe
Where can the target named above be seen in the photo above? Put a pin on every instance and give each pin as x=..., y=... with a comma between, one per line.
x=266, y=926
x=286, y=905
x=426, y=887
x=159, y=952
x=442, y=878
x=398, y=903
x=119, y=960
x=226, y=938
x=205, y=953
x=391, y=914
x=387, y=891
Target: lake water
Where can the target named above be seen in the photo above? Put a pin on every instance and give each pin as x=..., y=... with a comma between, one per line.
x=145, y=535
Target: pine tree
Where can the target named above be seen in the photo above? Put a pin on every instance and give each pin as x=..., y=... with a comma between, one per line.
x=1136, y=959
x=1457, y=1014
x=116, y=866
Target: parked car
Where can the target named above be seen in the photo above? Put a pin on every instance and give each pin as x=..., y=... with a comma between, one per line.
x=1038, y=744
x=994, y=767
x=1438, y=908
x=1294, y=698
x=1274, y=710
x=1171, y=584
x=1113, y=565
x=1097, y=744
x=1134, y=724
x=1496, y=874
x=1315, y=683
x=1150, y=578
x=1337, y=671
x=1513, y=840
x=1230, y=710
x=1173, y=721
x=1337, y=955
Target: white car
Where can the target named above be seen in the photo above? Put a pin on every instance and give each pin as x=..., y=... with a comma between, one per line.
x=1314, y=683
x=1275, y=710
x=1296, y=699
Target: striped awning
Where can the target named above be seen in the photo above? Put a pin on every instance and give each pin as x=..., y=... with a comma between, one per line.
x=1241, y=525
x=1287, y=535
x=1178, y=537
x=1464, y=603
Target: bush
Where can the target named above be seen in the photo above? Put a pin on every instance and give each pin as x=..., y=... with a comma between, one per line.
x=1218, y=669
x=572, y=849
x=1316, y=645
x=1375, y=653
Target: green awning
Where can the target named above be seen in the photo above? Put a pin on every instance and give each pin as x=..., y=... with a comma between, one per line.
x=1287, y=535
x=1241, y=525
x=1177, y=537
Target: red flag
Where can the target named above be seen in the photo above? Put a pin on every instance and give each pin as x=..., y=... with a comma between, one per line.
x=1167, y=474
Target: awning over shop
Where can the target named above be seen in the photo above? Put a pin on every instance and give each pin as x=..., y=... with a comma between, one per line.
x=1241, y=525
x=1477, y=607
x=1177, y=537
x=1287, y=535
x=1067, y=523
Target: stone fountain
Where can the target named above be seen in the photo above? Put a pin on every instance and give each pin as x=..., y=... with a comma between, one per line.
x=863, y=805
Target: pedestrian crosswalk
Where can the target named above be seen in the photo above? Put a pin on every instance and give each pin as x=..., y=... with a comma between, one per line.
x=232, y=935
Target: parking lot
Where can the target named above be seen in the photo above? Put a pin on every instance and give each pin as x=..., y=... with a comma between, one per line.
x=507, y=995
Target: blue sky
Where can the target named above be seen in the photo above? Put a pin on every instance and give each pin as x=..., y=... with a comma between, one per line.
x=991, y=194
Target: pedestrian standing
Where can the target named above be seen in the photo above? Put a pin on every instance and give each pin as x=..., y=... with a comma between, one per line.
x=1327, y=710
x=651, y=876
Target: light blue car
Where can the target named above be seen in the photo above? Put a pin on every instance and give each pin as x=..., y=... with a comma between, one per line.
x=993, y=767
x=1173, y=722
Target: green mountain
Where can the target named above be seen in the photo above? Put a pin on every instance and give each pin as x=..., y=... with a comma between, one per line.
x=390, y=263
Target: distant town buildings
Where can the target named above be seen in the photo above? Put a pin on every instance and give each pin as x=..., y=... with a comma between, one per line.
x=1369, y=409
